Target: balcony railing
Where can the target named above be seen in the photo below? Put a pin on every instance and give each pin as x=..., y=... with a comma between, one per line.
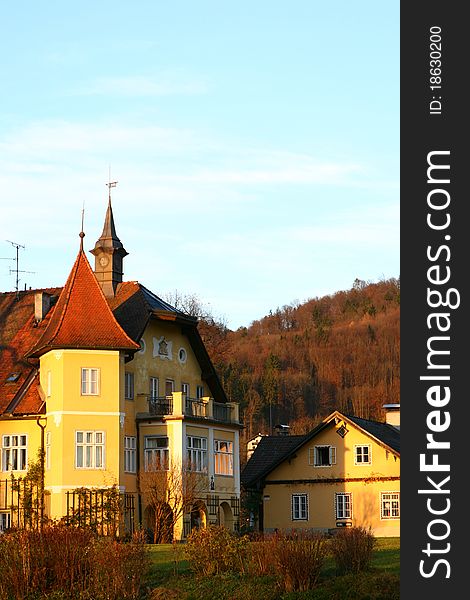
x=222, y=412
x=200, y=408
x=194, y=407
x=161, y=405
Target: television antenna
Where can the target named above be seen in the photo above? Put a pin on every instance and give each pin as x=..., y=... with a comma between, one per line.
x=16, y=270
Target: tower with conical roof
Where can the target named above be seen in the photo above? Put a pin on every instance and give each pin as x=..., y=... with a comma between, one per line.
x=109, y=253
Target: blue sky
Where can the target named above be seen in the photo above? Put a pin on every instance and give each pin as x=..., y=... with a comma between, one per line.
x=255, y=144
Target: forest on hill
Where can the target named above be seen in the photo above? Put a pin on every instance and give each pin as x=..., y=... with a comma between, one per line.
x=302, y=361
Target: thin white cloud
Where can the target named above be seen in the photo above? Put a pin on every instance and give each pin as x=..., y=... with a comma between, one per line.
x=192, y=187
x=141, y=86
x=158, y=162
x=51, y=139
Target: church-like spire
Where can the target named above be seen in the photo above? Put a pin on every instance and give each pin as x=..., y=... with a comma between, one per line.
x=109, y=252
x=82, y=318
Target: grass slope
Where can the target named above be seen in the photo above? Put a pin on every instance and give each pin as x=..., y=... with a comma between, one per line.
x=172, y=579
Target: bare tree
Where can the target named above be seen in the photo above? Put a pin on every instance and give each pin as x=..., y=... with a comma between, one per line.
x=170, y=493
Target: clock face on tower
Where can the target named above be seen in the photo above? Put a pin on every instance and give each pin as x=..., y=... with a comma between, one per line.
x=104, y=260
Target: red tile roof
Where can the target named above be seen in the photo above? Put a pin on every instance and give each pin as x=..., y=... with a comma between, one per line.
x=82, y=317
x=18, y=333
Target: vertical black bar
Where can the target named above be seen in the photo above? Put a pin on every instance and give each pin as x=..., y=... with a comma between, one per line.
x=435, y=294
x=102, y=512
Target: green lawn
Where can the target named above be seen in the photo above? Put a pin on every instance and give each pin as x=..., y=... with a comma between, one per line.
x=172, y=579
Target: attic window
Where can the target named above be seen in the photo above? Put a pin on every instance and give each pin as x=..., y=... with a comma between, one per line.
x=13, y=377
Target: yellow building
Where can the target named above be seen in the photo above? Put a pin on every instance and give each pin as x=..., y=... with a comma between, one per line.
x=346, y=472
x=112, y=383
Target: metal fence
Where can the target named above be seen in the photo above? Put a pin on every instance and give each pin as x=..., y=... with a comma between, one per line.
x=22, y=504
x=107, y=511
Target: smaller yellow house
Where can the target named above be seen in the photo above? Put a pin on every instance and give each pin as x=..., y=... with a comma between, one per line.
x=345, y=472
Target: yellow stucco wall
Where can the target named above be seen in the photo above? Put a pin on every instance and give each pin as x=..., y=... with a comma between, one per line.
x=149, y=363
x=69, y=411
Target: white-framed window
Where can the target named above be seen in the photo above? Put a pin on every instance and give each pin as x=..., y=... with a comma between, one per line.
x=197, y=453
x=363, y=454
x=300, y=507
x=15, y=452
x=390, y=505
x=185, y=389
x=130, y=453
x=48, y=450
x=90, y=382
x=199, y=392
x=153, y=387
x=129, y=385
x=223, y=457
x=322, y=456
x=89, y=449
x=5, y=521
x=169, y=387
x=156, y=453
x=343, y=505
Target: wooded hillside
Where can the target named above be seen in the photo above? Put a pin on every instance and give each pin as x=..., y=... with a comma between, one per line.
x=303, y=361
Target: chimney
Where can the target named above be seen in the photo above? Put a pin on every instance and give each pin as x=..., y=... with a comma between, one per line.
x=42, y=304
x=392, y=414
x=282, y=429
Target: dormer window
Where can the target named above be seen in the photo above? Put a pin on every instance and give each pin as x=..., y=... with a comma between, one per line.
x=13, y=377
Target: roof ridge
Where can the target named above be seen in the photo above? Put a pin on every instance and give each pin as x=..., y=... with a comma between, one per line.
x=69, y=285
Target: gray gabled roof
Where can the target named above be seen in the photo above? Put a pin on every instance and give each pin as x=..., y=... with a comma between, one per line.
x=273, y=450
x=388, y=434
x=270, y=451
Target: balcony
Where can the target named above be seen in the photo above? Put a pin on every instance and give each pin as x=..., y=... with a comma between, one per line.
x=161, y=405
x=205, y=408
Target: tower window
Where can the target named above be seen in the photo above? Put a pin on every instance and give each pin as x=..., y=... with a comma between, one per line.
x=90, y=382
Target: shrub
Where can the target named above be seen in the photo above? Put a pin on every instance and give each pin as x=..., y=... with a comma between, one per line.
x=215, y=550
x=299, y=557
x=261, y=559
x=73, y=563
x=352, y=549
x=118, y=568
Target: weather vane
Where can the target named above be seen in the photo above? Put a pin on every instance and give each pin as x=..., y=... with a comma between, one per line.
x=110, y=184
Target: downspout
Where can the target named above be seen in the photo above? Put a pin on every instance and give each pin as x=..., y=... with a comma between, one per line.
x=42, y=478
x=139, y=496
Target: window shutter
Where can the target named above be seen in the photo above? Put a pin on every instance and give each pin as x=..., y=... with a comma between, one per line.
x=332, y=455
x=311, y=456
